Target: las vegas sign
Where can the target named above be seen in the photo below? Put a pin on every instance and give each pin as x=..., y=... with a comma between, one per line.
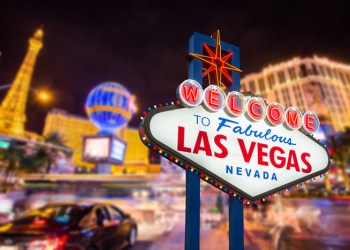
x=235, y=141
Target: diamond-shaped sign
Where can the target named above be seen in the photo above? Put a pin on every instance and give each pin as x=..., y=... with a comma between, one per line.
x=251, y=158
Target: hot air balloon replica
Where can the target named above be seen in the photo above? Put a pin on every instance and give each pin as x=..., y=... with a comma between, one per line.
x=110, y=107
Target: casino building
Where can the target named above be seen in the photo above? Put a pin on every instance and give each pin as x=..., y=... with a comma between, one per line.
x=72, y=128
x=311, y=84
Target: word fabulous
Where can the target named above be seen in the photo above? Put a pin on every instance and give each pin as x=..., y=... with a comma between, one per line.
x=236, y=104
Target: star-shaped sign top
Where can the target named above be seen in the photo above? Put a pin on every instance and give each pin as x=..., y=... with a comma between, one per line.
x=215, y=65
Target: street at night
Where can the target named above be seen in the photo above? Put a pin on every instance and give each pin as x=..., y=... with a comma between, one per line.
x=259, y=234
x=174, y=125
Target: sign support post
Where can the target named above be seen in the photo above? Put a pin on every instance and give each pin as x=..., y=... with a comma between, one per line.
x=236, y=224
x=192, y=218
x=192, y=224
x=192, y=228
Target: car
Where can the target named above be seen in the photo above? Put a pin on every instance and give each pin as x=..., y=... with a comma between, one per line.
x=68, y=226
x=332, y=232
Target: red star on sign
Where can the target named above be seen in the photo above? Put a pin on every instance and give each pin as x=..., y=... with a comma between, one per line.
x=216, y=64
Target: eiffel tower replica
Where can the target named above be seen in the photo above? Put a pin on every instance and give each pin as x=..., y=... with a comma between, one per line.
x=12, y=109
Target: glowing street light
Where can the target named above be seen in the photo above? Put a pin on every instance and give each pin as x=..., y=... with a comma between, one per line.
x=42, y=95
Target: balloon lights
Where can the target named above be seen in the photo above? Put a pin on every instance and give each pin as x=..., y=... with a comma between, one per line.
x=110, y=106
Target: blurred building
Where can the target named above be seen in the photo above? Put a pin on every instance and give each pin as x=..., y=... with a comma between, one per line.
x=12, y=109
x=315, y=84
x=72, y=128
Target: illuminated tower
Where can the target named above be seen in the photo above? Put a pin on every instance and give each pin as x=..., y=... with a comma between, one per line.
x=12, y=110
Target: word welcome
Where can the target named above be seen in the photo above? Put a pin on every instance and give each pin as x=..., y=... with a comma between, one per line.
x=236, y=104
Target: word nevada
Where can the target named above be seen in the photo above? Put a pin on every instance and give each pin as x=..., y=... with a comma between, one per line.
x=235, y=104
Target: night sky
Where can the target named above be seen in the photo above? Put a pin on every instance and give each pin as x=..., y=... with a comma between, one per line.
x=143, y=44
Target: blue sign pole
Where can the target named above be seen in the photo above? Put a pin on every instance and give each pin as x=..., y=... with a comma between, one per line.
x=192, y=224
x=192, y=231
x=236, y=224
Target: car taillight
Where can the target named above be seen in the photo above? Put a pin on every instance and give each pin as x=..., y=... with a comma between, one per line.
x=39, y=222
x=53, y=243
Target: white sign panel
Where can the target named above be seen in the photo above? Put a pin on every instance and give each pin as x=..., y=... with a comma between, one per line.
x=104, y=148
x=254, y=159
x=97, y=147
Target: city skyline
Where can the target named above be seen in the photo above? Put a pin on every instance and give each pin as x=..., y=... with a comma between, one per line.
x=143, y=46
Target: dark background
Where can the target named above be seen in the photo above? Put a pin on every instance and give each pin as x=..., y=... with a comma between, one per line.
x=143, y=44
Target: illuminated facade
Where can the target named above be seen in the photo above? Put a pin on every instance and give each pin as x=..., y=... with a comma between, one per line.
x=12, y=110
x=72, y=128
x=315, y=84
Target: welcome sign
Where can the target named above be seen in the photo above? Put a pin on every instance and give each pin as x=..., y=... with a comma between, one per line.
x=236, y=142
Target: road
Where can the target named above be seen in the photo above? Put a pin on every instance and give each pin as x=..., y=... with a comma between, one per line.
x=174, y=240
x=210, y=238
x=256, y=232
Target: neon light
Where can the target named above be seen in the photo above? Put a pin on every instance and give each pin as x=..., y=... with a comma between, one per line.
x=275, y=114
x=214, y=98
x=251, y=109
x=217, y=64
x=293, y=118
x=256, y=109
x=311, y=123
x=190, y=93
x=235, y=104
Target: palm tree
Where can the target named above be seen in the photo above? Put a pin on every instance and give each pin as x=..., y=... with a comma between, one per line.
x=14, y=158
x=53, y=139
x=33, y=163
x=10, y=158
